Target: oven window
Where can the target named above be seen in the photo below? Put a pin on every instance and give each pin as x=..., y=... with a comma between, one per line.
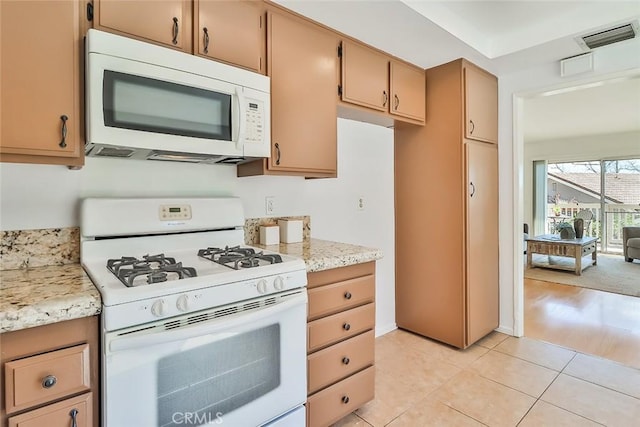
x=141, y=103
x=202, y=384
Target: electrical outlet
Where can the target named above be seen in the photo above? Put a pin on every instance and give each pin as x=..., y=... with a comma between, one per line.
x=270, y=205
x=361, y=203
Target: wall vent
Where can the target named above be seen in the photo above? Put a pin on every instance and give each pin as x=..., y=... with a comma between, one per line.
x=609, y=36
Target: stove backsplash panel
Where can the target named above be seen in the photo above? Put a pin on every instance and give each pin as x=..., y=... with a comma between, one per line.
x=22, y=249
x=38, y=248
x=252, y=227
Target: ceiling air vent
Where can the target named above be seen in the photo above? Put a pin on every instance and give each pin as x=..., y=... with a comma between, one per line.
x=606, y=37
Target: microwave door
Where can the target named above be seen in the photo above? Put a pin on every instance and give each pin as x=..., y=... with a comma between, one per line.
x=145, y=106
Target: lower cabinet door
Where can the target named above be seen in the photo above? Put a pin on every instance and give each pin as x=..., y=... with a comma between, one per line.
x=329, y=405
x=61, y=414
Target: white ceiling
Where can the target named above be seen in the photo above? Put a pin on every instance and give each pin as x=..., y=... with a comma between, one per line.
x=502, y=37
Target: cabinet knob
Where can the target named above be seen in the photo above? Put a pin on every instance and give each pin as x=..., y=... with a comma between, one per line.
x=345, y=399
x=347, y=295
x=345, y=360
x=346, y=326
x=49, y=381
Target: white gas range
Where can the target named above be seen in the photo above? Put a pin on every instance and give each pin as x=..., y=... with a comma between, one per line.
x=206, y=328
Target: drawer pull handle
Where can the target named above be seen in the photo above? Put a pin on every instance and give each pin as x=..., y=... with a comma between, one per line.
x=345, y=399
x=63, y=142
x=347, y=295
x=74, y=414
x=206, y=39
x=346, y=326
x=49, y=381
x=176, y=30
x=345, y=360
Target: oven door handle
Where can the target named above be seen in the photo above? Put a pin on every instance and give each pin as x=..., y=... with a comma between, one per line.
x=205, y=328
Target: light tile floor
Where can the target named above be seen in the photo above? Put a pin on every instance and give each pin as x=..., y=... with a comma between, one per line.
x=499, y=381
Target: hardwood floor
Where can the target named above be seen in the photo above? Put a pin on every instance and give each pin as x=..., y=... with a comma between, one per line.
x=593, y=322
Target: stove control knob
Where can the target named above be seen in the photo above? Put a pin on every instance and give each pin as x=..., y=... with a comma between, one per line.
x=182, y=303
x=262, y=286
x=157, y=309
x=278, y=283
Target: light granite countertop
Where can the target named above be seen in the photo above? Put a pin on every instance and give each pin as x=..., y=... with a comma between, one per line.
x=42, y=295
x=321, y=255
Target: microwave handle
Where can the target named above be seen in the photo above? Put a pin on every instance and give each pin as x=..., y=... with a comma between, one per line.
x=207, y=327
x=242, y=117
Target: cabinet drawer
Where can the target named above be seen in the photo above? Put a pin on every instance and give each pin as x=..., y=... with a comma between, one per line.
x=340, y=274
x=339, y=361
x=340, y=296
x=331, y=329
x=58, y=414
x=333, y=403
x=66, y=370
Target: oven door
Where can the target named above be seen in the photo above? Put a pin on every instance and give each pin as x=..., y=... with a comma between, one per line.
x=243, y=364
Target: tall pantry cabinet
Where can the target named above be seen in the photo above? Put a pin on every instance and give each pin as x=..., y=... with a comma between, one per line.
x=446, y=184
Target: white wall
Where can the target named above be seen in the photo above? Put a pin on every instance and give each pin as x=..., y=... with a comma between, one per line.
x=591, y=147
x=40, y=196
x=610, y=61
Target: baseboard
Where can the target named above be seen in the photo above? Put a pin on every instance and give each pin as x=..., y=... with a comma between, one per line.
x=505, y=330
x=385, y=329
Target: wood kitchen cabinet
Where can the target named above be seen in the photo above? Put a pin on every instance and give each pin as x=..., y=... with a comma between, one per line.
x=302, y=64
x=50, y=375
x=340, y=342
x=231, y=31
x=481, y=105
x=164, y=22
x=374, y=80
x=41, y=82
x=447, y=225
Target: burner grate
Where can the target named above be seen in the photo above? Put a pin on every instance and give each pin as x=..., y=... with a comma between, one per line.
x=155, y=268
x=237, y=257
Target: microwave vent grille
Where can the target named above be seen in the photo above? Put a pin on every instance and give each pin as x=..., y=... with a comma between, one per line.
x=115, y=152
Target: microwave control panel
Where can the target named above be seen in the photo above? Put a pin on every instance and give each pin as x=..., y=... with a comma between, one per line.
x=255, y=121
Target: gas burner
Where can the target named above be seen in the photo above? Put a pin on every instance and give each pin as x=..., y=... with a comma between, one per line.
x=238, y=257
x=156, y=268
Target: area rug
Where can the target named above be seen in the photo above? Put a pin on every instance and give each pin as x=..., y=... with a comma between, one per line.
x=612, y=274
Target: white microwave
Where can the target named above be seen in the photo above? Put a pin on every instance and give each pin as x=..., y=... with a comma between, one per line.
x=149, y=102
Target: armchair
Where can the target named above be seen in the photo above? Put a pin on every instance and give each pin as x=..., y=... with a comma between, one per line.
x=631, y=243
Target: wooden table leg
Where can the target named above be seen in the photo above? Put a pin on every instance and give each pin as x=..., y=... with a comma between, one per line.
x=578, y=256
x=594, y=256
x=529, y=256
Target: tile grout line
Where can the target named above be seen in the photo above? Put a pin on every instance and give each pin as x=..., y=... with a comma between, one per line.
x=537, y=399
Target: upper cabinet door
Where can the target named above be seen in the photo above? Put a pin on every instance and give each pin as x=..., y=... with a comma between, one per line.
x=231, y=31
x=302, y=65
x=365, y=76
x=164, y=22
x=407, y=91
x=40, y=81
x=481, y=105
